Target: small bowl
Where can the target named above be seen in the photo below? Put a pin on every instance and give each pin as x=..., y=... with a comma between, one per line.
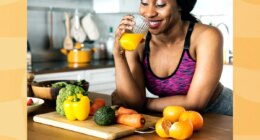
x=44, y=90
x=37, y=102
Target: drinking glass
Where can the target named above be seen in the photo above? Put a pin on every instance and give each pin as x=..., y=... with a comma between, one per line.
x=130, y=40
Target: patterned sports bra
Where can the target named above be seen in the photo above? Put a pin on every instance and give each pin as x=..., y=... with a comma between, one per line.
x=178, y=83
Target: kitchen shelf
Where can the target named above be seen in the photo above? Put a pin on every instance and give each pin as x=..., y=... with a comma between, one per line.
x=58, y=9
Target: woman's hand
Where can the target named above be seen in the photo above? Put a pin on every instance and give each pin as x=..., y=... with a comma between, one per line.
x=128, y=69
x=125, y=25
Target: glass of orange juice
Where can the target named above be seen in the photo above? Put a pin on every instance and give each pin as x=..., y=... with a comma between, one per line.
x=130, y=40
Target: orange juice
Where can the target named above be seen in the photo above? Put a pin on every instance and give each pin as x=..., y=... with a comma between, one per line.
x=129, y=41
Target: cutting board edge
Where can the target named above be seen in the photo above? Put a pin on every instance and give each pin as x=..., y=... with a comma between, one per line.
x=48, y=119
x=72, y=128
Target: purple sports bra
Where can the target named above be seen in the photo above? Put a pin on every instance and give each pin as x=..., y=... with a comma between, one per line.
x=178, y=83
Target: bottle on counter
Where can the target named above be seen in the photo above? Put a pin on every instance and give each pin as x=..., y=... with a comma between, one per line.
x=101, y=51
x=29, y=56
x=110, y=43
x=30, y=78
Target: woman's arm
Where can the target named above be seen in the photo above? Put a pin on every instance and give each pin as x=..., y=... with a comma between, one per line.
x=206, y=77
x=129, y=77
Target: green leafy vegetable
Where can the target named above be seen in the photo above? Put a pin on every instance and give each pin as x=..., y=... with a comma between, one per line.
x=59, y=85
x=78, y=83
x=64, y=93
x=63, y=84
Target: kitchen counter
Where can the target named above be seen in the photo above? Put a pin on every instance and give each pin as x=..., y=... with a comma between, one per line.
x=64, y=66
x=216, y=127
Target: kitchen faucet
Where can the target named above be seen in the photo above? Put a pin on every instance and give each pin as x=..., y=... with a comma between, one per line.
x=225, y=25
x=229, y=53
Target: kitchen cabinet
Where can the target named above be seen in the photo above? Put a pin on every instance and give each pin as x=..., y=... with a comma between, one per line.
x=227, y=76
x=212, y=7
x=149, y=94
x=75, y=75
x=100, y=80
x=116, y=6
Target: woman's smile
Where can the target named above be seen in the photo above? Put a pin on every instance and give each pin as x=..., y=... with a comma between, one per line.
x=153, y=24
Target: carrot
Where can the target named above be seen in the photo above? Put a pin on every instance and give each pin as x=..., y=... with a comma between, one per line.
x=123, y=110
x=134, y=120
x=98, y=102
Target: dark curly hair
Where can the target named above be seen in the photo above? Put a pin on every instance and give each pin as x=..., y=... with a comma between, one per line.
x=186, y=7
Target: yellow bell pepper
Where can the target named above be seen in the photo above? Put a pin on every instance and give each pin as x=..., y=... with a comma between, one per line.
x=77, y=107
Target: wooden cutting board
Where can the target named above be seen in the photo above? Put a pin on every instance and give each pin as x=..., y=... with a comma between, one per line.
x=89, y=127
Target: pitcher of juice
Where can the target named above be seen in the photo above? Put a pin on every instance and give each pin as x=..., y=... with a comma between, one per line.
x=129, y=41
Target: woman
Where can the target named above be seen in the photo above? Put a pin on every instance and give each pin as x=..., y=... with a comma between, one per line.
x=180, y=61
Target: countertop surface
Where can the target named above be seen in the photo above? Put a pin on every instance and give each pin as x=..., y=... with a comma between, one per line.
x=64, y=66
x=216, y=127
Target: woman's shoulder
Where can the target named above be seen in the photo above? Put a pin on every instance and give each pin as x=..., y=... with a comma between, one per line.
x=206, y=31
x=207, y=34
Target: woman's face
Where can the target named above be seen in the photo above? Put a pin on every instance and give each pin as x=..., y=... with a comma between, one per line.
x=161, y=14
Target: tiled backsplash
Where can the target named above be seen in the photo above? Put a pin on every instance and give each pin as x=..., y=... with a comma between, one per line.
x=40, y=29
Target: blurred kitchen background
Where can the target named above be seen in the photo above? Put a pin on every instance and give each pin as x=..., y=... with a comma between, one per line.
x=47, y=30
x=46, y=21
